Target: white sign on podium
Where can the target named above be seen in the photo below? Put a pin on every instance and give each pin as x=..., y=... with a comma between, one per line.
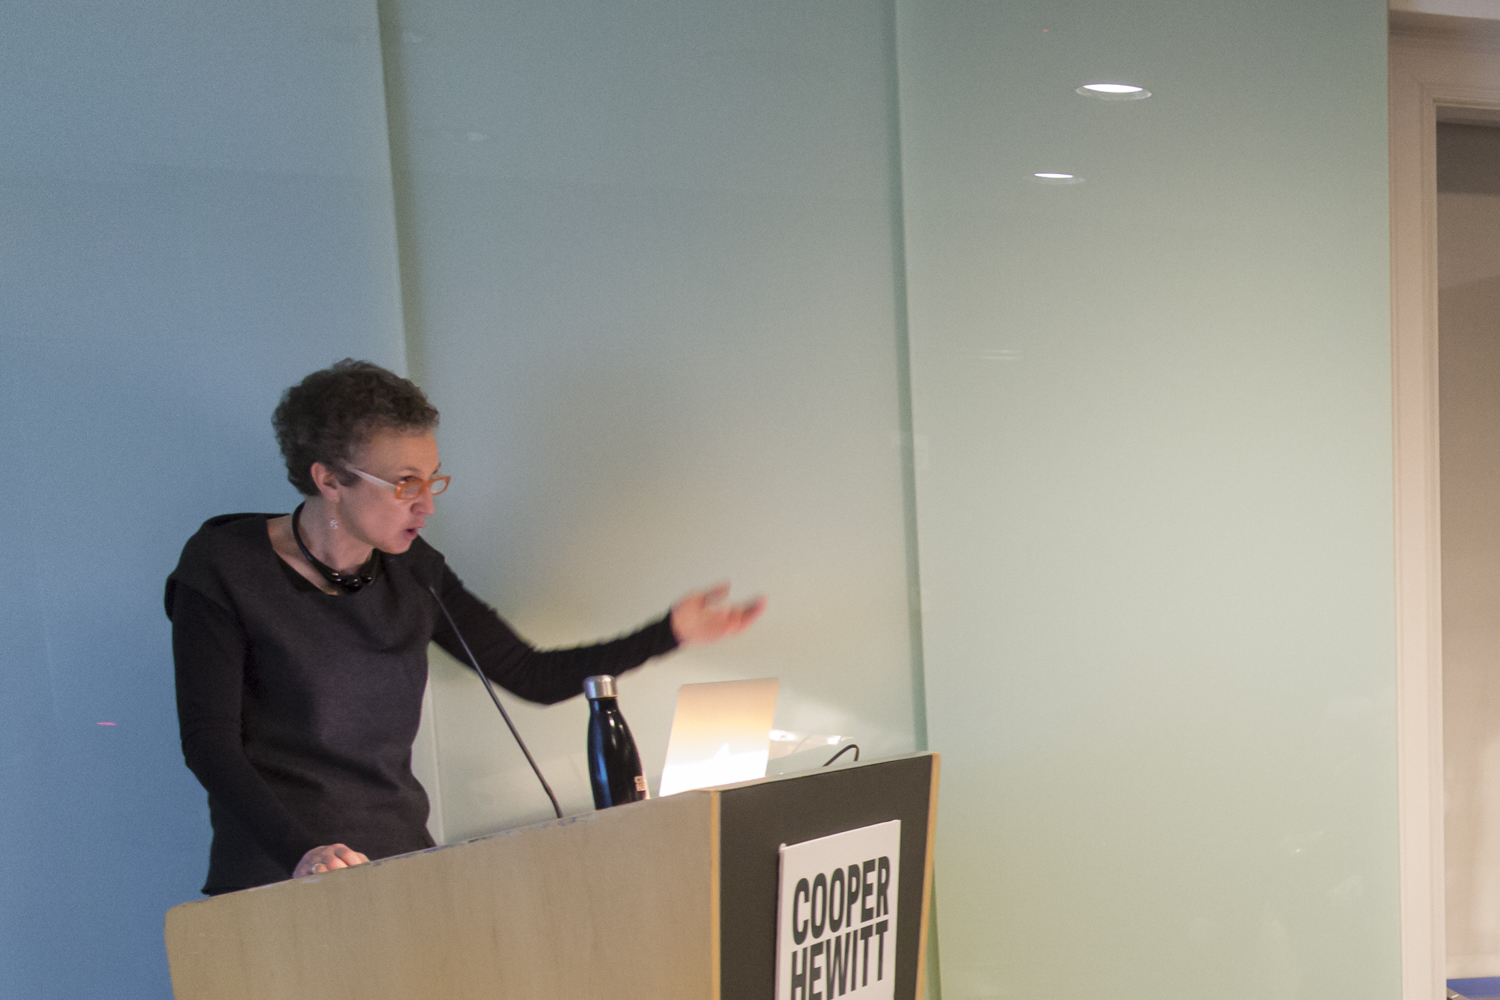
x=836, y=915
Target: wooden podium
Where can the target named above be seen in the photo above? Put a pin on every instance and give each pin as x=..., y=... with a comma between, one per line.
x=672, y=897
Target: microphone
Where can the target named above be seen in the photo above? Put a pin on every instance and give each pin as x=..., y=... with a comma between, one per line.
x=496, y=699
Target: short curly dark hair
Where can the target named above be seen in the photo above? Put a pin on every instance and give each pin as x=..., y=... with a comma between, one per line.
x=328, y=415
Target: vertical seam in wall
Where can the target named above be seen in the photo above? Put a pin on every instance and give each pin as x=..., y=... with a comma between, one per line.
x=934, y=981
x=398, y=150
x=903, y=386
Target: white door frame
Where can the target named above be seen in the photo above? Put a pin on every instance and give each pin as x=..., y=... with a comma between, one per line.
x=1446, y=68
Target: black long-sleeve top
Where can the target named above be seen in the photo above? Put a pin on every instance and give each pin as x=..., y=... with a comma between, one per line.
x=298, y=708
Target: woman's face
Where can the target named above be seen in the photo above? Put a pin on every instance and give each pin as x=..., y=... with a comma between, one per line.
x=373, y=514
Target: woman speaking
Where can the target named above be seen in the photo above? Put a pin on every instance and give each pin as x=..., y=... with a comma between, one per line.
x=300, y=640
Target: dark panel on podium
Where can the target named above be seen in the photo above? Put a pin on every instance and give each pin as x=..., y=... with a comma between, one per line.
x=757, y=819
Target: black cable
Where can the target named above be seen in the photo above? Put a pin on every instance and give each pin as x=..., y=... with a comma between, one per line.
x=844, y=750
x=496, y=699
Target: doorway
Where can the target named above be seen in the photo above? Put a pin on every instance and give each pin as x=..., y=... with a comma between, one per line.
x=1445, y=71
x=1468, y=277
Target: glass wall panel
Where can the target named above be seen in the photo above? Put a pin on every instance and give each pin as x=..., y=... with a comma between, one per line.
x=1152, y=406
x=195, y=212
x=649, y=278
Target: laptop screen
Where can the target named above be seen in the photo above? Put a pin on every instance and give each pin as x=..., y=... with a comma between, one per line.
x=720, y=734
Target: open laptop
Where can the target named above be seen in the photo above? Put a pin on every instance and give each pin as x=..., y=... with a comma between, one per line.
x=721, y=733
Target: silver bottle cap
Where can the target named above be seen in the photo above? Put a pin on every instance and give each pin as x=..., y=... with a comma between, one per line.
x=599, y=686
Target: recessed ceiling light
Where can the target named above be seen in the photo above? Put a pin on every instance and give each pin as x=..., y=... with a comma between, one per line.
x=1050, y=177
x=1114, y=91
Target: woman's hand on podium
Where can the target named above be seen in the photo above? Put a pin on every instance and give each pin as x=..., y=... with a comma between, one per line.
x=702, y=616
x=326, y=859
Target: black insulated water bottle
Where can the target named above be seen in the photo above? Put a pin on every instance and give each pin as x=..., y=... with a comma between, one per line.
x=614, y=764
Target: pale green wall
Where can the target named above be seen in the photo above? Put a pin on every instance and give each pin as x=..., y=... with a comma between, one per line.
x=659, y=294
x=1154, y=494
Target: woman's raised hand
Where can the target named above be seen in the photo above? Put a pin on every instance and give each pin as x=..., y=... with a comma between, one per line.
x=702, y=616
x=326, y=859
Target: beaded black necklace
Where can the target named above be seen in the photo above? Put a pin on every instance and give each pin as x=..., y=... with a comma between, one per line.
x=350, y=583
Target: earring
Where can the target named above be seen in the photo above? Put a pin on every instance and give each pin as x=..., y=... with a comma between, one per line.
x=333, y=523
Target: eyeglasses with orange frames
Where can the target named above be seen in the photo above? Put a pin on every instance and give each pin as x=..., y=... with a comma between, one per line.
x=408, y=488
